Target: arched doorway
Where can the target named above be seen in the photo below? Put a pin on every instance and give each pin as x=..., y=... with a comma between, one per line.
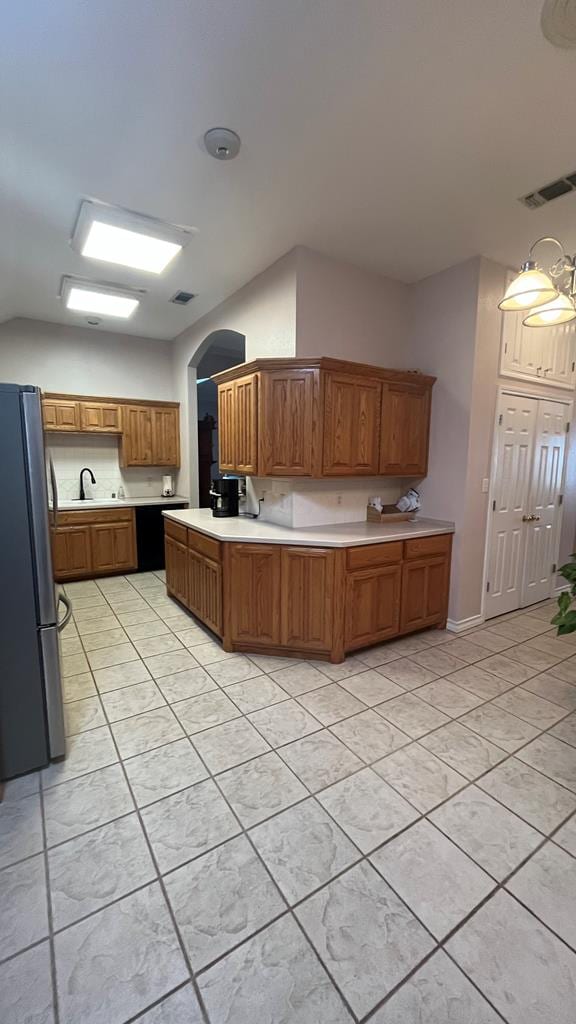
x=219, y=350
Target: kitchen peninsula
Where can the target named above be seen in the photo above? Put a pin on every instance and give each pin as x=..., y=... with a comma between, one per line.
x=317, y=592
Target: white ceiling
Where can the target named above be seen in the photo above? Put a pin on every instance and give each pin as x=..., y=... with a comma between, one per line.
x=395, y=135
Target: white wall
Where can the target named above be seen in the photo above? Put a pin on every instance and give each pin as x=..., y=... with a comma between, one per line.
x=264, y=311
x=349, y=313
x=84, y=361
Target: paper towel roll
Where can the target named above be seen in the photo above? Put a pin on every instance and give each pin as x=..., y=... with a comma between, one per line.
x=167, y=488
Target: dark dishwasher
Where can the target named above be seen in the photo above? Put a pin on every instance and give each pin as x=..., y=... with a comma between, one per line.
x=150, y=535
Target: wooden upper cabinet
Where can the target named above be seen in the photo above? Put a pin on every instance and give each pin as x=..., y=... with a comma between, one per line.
x=136, y=447
x=100, y=417
x=252, y=580
x=405, y=425
x=61, y=414
x=246, y=424
x=307, y=597
x=322, y=418
x=289, y=422
x=165, y=436
x=351, y=425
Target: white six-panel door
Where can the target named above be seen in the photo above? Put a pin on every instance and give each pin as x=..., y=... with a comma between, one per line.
x=545, y=490
x=528, y=474
x=513, y=463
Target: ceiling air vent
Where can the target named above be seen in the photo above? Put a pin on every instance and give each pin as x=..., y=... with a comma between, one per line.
x=549, y=192
x=182, y=298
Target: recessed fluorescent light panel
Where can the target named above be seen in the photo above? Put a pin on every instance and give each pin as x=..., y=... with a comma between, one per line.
x=106, y=300
x=113, y=235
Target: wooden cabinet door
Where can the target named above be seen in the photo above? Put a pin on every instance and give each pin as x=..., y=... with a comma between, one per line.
x=226, y=430
x=113, y=547
x=100, y=417
x=253, y=593
x=71, y=552
x=176, y=569
x=288, y=422
x=245, y=422
x=307, y=597
x=372, y=605
x=351, y=425
x=136, y=435
x=425, y=584
x=405, y=425
x=165, y=436
x=61, y=414
x=205, y=590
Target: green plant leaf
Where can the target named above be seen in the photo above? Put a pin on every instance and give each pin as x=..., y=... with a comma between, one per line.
x=568, y=624
x=564, y=602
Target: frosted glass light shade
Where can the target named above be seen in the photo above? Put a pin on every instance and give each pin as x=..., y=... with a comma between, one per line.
x=529, y=289
x=559, y=311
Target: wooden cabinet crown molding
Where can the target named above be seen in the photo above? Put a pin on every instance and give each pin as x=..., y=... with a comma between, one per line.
x=324, y=363
x=107, y=399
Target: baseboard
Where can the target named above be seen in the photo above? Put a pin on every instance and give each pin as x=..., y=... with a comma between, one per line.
x=561, y=590
x=461, y=625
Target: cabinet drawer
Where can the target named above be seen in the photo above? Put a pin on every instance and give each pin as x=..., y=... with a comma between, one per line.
x=374, y=554
x=97, y=515
x=176, y=531
x=204, y=545
x=422, y=546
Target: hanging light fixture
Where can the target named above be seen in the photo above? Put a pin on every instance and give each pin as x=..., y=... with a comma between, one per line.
x=547, y=297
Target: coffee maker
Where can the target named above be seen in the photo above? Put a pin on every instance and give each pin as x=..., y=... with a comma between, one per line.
x=224, y=497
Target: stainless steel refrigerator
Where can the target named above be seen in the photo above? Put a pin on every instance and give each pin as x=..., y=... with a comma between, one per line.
x=31, y=711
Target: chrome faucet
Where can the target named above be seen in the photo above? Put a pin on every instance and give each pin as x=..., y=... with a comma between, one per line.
x=92, y=477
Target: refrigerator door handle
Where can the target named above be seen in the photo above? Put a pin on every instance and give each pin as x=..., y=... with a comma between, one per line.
x=63, y=599
x=54, y=487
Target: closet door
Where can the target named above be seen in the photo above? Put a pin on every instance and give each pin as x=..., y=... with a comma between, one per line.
x=514, y=449
x=543, y=501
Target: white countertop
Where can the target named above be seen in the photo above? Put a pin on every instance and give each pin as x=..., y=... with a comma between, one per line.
x=338, y=535
x=88, y=503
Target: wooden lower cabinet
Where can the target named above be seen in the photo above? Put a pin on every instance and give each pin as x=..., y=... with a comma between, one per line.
x=372, y=605
x=425, y=586
x=94, y=548
x=205, y=590
x=252, y=588
x=113, y=547
x=71, y=552
x=176, y=558
x=317, y=602
x=307, y=598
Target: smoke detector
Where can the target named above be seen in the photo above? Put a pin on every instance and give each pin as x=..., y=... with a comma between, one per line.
x=222, y=143
x=558, y=23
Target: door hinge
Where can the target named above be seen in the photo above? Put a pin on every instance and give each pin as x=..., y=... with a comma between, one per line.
x=500, y=418
x=506, y=349
x=493, y=506
x=573, y=364
x=554, y=567
x=487, y=588
x=560, y=499
x=567, y=427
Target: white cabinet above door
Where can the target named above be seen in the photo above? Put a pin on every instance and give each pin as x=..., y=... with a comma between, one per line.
x=543, y=354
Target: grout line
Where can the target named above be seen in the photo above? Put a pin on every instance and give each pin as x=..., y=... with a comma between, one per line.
x=362, y=857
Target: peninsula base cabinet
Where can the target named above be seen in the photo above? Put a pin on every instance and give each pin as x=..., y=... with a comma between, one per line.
x=308, y=601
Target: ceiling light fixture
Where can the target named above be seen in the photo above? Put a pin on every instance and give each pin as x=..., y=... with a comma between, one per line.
x=114, y=235
x=100, y=298
x=547, y=297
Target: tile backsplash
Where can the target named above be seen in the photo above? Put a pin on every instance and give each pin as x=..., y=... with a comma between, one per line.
x=101, y=454
x=300, y=503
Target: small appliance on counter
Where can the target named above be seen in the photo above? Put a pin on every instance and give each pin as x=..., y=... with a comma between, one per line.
x=167, y=487
x=224, y=497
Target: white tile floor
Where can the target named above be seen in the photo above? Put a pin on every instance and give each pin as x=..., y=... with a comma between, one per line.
x=241, y=840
